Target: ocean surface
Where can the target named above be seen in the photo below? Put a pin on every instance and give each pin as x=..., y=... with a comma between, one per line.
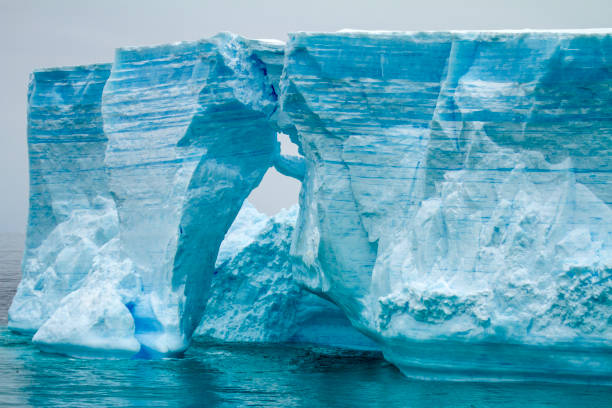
x=230, y=375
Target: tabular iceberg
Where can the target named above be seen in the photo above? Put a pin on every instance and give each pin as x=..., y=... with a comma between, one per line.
x=457, y=189
x=455, y=199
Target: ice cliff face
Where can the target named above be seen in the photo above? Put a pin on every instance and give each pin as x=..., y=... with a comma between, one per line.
x=455, y=195
x=190, y=135
x=137, y=173
x=71, y=210
x=457, y=188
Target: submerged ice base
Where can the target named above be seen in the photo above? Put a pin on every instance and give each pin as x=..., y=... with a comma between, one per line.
x=455, y=192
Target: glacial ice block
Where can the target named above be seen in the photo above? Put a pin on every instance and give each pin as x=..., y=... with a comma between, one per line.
x=71, y=213
x=137, y=173
x=457, y=191
x=254, y=296
x=455, y=202
x=191, y=133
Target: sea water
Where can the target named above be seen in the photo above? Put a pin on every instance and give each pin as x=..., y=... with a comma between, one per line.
x=215, y=374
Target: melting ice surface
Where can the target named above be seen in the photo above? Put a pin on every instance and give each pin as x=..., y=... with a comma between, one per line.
x=455, y=202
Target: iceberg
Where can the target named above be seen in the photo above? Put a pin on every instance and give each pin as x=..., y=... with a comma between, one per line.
x=72, y=213
x=457, y=192
x=178, y=137
x=455, y=202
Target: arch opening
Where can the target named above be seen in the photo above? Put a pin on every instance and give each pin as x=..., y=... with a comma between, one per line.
x=277, y=191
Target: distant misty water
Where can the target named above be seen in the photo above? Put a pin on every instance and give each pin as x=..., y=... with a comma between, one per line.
x=11, y=250
x=228, y=375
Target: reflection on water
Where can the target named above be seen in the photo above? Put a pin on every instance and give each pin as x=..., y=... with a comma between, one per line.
x=213, y=374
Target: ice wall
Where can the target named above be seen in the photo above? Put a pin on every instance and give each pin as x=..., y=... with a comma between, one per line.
x=71, y=212
x=138, y=171
x=457, y=191
x=190, y=135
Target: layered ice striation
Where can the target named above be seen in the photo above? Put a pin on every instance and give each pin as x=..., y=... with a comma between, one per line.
x=455, y=201
x=457, y=194
x=190, y=133
x=138, y=171
x=71, y=211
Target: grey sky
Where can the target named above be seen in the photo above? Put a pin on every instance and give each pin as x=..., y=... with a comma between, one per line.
x=38, y=33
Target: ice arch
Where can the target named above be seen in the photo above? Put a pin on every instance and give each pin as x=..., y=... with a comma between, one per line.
x=455, y=189
x=189, y=131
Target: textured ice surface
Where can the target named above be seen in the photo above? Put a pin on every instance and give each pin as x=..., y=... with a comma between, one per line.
x=190, y=135
x=159, y=152
x=71, y=212
x=455, y=203
x=457, y=189
x=254, y=296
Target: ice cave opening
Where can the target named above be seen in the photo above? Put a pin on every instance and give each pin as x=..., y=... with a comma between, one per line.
x=277, y=191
